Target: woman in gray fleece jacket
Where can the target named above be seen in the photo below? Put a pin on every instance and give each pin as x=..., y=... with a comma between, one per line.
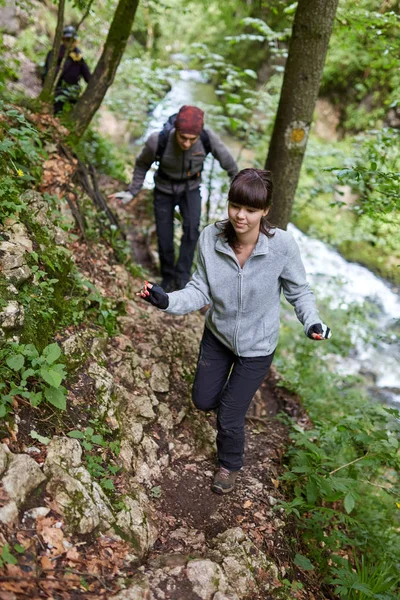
x=243, y=265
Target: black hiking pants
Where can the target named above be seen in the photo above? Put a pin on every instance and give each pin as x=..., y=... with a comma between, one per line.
x=227, y=383
x=189, y=203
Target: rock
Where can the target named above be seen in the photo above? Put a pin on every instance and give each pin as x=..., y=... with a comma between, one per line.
x=104, y=384
x=13, y=263
x=136, y=523
x=39, y=511
x=12, y=316
x=132, y=406
x=138, y=591
x=80, y=499
x=22, y=477
x=74, y=348
x=159, y=380
x=4, y=456
x=241, y=561
x=206, y=577
x=99, y=346
x=165, y=417
x=272, y=501
x=125, y=373
x=9, y=513
x=65, y=452
x=278, y=523
x=219, y=596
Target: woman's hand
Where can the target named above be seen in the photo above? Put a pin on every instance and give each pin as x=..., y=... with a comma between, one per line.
x=154, y=294
x=319, y=331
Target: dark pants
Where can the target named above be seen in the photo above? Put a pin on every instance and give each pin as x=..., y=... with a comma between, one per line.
x=227, y=383
x=189, y=204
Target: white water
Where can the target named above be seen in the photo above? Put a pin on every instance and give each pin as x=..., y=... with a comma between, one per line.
x=341, y=282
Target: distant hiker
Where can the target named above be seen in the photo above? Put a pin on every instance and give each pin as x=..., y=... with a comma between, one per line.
x=180, y=150
x=243, y=264
x=75, y=69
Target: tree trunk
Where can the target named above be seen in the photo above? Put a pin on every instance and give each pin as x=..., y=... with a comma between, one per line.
x=105, y=70
x=46, y=93
x=308, y=46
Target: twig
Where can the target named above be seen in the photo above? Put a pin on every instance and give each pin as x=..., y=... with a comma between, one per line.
x=348, y=464
x=378, y=485
x=258, y=419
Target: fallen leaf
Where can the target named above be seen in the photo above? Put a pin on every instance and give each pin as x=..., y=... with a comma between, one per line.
x=275, y=482
x=247, y=503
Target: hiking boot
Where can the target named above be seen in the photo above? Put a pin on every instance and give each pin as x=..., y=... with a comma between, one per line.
x=224, y=481
x=168, y=285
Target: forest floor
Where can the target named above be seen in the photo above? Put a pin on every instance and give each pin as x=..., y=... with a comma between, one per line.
x=57, y=564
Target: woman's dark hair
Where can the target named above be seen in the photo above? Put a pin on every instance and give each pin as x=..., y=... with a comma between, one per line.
x=252, y=188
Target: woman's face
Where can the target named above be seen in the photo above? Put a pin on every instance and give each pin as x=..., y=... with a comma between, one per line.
x=244, y=218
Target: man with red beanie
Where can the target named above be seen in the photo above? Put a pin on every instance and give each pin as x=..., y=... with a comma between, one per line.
x=180, y=150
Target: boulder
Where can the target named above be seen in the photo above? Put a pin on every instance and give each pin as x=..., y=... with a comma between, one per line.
x=159, y=380
x=80, y=499
x=136, y=523
x=22, y=477
x=206, y=577
x=12, y=316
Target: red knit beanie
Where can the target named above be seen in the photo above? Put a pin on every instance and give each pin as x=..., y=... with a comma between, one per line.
x=190, y=119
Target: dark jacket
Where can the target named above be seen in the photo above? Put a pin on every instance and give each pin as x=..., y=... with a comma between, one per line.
x=75, y=67
x=179, y=165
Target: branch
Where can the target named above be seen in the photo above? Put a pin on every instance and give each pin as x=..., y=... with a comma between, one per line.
x=348, y=464
x=46, y=92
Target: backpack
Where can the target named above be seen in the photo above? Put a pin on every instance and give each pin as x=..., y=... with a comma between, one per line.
x=164, y=135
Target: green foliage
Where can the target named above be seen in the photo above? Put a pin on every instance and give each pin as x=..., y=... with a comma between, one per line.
x=20, y=156
x=343, y=472
x=368, y=579
x=6, y=557
x=363, y=50
x=373, y=173
x=98, y=465
x=246, y=111
x=35, y=376
x=96, y=149
x=354, y=183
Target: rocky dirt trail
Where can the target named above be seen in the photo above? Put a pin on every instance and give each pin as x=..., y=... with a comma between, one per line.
x=159, y=533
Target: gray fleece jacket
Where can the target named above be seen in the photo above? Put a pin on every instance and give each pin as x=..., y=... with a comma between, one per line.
x=179, y=164
x=245, y=302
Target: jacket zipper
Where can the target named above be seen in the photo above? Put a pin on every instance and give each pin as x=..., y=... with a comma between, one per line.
x=236, y=343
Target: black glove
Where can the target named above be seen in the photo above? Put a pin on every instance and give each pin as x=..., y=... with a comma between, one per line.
x=157, y=297
x=321, y=329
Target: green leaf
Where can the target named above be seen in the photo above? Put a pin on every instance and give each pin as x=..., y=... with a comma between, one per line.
x=18, y=548
x=156, y=491
x=28, y=373
x=51, y=376
x=40, y=438
x=76, y=434
x=107, y=484
x=303, y=562
x=97, y=439
x=87, y=445
x=89, y=431
x=51, y=353
x=349, y=503
x=3, y=411
x=311, y=491
x=36, y=398
x=15, y=362
x=7, y=556
x=30, y=351
x=56, y=397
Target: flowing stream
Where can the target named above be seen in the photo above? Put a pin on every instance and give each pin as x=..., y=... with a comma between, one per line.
x=375, y=353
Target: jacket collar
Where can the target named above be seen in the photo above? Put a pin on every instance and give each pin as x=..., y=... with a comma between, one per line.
x=262, y=246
